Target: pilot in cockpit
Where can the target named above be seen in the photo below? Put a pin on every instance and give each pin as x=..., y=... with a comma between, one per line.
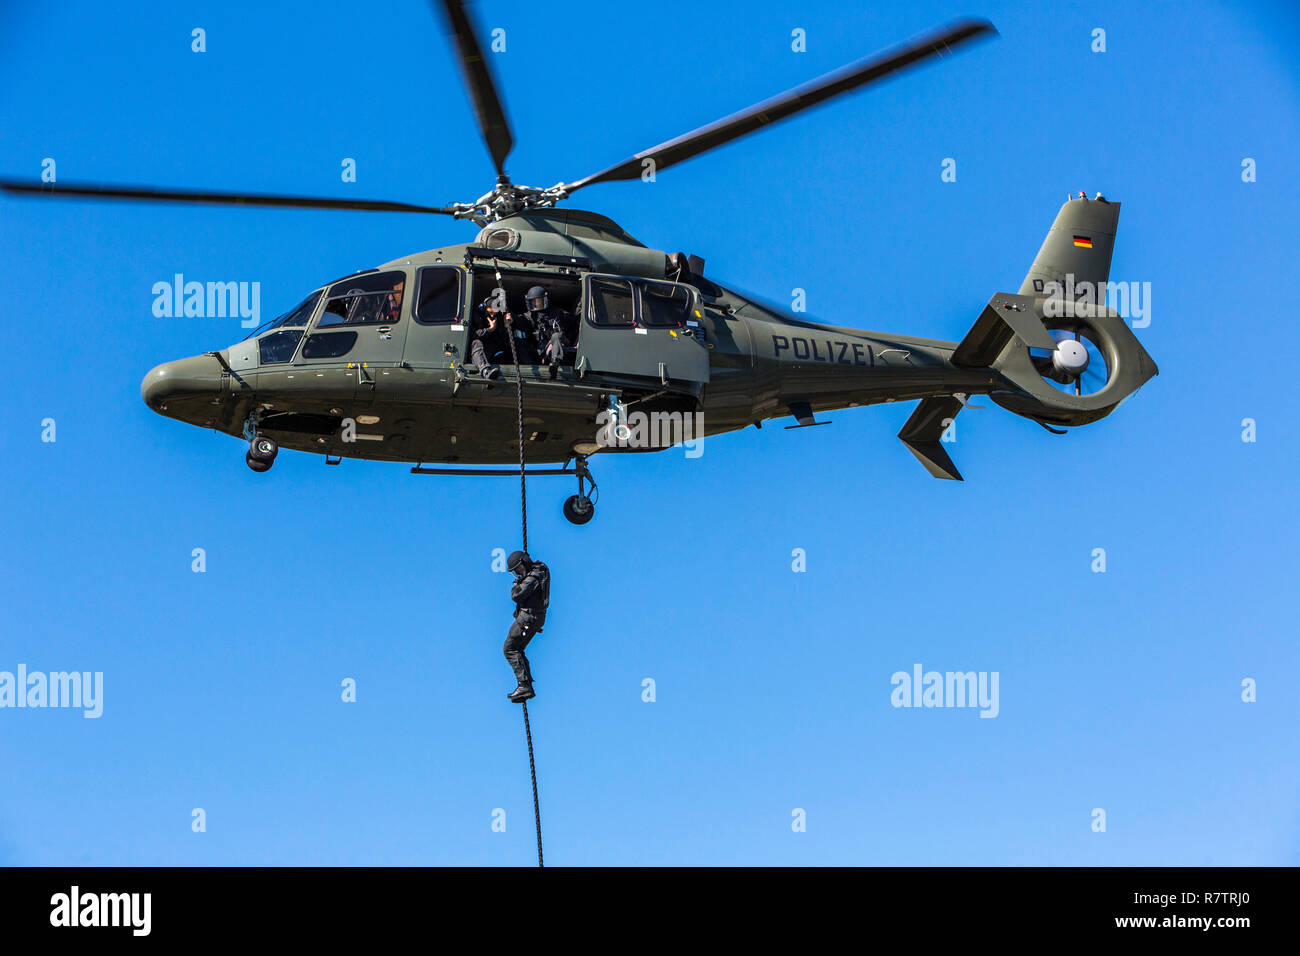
x=390, y=309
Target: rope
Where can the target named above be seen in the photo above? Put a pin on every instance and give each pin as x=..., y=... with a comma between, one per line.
x=523, y=508
x=519, y=405
x=532, y=769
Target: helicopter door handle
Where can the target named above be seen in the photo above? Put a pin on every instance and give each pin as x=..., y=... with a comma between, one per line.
x=386, y=332
x=905, y=353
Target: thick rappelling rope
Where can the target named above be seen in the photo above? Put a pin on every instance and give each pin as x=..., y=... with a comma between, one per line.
x=523, y=508
x=532, y=769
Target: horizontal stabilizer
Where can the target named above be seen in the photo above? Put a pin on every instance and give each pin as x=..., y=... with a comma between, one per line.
x=923, y=432
x=1004, y=316
x=803, y=414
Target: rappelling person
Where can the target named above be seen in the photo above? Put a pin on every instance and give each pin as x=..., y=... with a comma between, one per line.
x=548, y=328
x=531, y=593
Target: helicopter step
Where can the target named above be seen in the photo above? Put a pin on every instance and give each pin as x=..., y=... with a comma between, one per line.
x=566, y=380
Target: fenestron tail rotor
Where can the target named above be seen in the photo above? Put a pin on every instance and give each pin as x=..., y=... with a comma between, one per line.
x=1076, y=366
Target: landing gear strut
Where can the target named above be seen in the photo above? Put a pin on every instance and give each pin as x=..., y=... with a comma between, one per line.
x=581, y=508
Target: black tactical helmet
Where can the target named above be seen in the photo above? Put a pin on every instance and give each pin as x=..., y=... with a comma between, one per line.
x=518, y=558
x=536, y=299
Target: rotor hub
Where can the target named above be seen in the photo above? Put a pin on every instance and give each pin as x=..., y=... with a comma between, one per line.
x=1070, y=358
x=506, y=200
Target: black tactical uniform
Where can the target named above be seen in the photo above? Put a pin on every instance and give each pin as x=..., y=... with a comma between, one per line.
x=488, y=346
x=531, y=593
x=525, y=345
x=549, y=326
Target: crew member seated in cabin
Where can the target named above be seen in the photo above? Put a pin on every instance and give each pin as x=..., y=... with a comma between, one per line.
x=488, y=340
x=548, y=328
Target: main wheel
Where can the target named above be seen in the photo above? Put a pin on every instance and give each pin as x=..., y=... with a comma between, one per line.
x=257, y=464
x=579, y=509
x=264, y=449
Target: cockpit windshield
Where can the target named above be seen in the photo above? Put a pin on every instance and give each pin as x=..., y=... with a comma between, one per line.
x=299, y=315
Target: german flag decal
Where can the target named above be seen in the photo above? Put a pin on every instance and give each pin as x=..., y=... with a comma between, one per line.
x=1083, y=242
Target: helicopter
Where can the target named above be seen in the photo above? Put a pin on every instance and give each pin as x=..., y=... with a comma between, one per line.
x=379, y=365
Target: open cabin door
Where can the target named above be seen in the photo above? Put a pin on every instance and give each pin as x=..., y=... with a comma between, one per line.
x=643, y=328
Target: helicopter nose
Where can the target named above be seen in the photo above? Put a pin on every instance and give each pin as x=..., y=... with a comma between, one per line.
x=197, y=377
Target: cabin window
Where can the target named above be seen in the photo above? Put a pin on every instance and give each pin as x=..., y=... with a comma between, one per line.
x=665, y=305
x=611, y=302
x=330, y=345
x=437, y=297
x=371, y=299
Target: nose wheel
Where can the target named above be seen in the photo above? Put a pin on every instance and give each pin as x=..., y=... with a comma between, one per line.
x=261, y=453
x=581, y=508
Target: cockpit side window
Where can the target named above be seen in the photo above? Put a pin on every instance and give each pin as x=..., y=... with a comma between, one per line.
x=278, y=346
x=371, y=299
x=438, y=295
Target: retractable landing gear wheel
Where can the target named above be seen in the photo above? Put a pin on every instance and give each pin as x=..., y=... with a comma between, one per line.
x=264, y=449
x=256, y=464
x=579, y=509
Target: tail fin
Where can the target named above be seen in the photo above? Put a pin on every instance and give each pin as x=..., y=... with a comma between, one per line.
x=1063, y=291
x=1066, y=286
x=1078, y=245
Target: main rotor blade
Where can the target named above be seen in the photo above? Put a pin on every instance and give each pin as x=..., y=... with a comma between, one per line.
x=482, y=89
x=804, y=97
x=151, y=194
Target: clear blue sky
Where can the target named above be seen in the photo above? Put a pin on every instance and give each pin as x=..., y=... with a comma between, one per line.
x=222, y=690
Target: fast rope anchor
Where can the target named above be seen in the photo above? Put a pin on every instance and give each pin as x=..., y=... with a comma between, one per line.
x=523, y=509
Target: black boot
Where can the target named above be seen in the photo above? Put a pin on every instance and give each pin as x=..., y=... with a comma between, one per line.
x=489, y=372
x=522, y=693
